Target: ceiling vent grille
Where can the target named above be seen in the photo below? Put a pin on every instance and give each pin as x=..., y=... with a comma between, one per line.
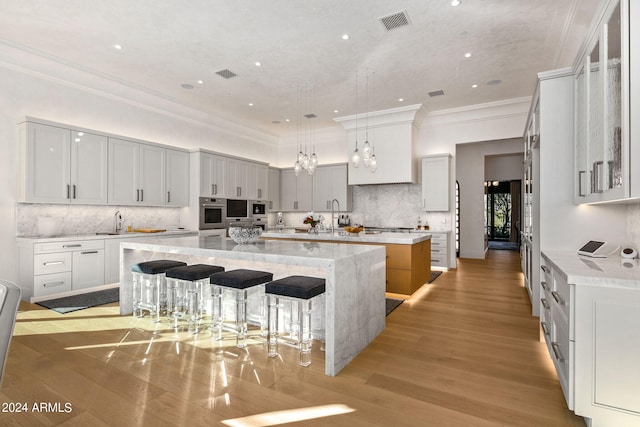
x=227, y=74
x=436, y=93
x=310, y=116
x=397, y=20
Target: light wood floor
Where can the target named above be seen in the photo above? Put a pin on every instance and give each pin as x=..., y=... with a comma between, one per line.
x=463, y=351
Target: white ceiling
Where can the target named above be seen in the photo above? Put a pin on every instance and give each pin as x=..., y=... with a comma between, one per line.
x=170, y=43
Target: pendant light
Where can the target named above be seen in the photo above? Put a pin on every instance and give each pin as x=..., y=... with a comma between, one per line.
x=305, y=136
x=355, y=157
x=366, y=150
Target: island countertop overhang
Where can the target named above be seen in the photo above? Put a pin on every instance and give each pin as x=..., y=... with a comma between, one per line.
x=375, y=238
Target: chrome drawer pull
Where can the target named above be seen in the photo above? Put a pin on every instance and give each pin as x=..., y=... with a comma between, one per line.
x=556, y=352
x=44, y=285
x=52, y=263
x=88, y=252
x=544, y=285
x=71, y=246
x=545, y=303
x=545, y=328
x=545, y=269
x=557, y=297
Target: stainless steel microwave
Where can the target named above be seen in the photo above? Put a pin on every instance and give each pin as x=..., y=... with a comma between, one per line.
x=213, y=213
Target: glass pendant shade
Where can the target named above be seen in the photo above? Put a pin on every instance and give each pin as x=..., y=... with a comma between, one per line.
x=366, y=160
x=373, y=163
x=300, y=156
x=305, y=161
x=297, y=168
x=314, y=160
x=366, y=150
x=355, y=158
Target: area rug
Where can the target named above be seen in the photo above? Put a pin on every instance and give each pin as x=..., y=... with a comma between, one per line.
x=434, y=276
x=80, y=302
x=392, y=304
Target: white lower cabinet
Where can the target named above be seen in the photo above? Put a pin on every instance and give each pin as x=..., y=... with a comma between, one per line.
x=57, y=267
x=590, y=326
x=439, y=249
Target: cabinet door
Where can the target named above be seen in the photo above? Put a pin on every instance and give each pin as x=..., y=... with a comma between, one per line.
x=330, y=182
x=274, y=189
x=435, y=183
x=151, y=175
x=237, y=171
x=88, y=269
x=88, y=168
x=252, y=181
x=47, y=164
x=177, y=179
x=206, y=170
x=218, y=182
x=123, y=172
x=582, y=187
x=262, y=182
x=295, y=191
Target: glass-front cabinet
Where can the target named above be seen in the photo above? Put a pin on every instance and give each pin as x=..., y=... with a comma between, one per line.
x=602, y=133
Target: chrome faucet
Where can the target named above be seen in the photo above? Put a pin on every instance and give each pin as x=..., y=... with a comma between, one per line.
x=333, y=213
x=117, y=222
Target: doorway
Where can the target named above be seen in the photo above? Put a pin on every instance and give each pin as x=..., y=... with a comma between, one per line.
x=502, y=214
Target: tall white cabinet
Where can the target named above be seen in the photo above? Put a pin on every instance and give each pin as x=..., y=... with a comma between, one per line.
x=177, y=178
x=61, y=165
x=329, y=183
x=435, y=182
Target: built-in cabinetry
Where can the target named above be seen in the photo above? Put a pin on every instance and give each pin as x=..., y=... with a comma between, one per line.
x=55, y=267
x=274, y=189
x=590, y=316
x=435, y=182
x=61, y=165
x=315, y=192
x=213, y=175
x=232, y=178
x=440, y=249
x=604, y=145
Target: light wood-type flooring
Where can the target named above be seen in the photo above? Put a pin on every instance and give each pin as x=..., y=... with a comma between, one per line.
x=463, y=351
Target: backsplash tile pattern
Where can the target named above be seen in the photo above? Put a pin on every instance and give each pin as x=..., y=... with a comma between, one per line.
x=88, y=219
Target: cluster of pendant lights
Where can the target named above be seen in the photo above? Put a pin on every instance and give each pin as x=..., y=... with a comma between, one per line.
x=368, y=156
x=306, y=135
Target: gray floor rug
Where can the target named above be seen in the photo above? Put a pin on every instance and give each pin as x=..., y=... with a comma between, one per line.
x=434, y=276
x=392, y=304
x=80, y=302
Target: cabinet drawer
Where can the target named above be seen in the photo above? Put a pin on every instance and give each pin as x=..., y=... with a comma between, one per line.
x=48, y=284
x=562, y=356
x=77, y=245
x=441, y=237
x=561, y=295
x=52, y=263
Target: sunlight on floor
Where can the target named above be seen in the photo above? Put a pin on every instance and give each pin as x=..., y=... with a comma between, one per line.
x=288, y=416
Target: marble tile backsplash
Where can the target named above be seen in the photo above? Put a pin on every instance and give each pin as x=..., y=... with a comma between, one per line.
x=388, y=205
x=87, y=219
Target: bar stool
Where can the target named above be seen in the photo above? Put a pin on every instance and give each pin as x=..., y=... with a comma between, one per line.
x=150, y=287
x=240, y=283
x=188, y=293
x=299, y=290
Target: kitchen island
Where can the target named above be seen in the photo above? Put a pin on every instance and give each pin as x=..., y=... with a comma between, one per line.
x=408, y=262
x=355, y=288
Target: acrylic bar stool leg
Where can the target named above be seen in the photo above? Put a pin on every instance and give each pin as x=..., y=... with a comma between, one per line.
x=305, y=341
x=216, y=313
x=272, y=320
x=241, y=318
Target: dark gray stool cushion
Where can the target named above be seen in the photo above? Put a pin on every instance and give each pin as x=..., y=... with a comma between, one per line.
x=194, y=272
x=156, y=267
x=302, y=287
x=240, y=279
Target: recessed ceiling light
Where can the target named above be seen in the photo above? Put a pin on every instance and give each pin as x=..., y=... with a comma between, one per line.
x=335, y=111
x=474, y=86
x=80, y=133
x=200, y=82
x=494, y=82
x=455, y=3
x=287, y=120
x=467, y=55
x=186, y=86
x=345, y=37
x=251, y=104
x=258, y=64
x=118, y=46
x=400, y=99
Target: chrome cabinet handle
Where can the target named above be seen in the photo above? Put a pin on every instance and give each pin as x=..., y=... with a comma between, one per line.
x=68, y=191
x=74, y=191
x=45, y=285
x=168, y=196
x=556, y=352
x=72, y=246
x=52, y=263
x=556, y=296
x=88, y=252
x=545, y=328
x=596, y=176
x=545, y=269
x=544, y=285
x=580, y=177
x=259, y=193
x=137, y=195
x=545, y=303
x=270, y=204
x=141, y=195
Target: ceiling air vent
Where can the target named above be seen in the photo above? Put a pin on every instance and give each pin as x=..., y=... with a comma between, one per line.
x=436, y=93
x=226, y=73
x=397, y=20
x=310, y=116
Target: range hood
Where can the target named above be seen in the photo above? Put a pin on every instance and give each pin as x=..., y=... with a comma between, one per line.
x=393, y=134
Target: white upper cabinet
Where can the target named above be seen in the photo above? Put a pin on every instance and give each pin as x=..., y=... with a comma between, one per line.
x=295, y=191
x=603, y=106
x=136, y=173
x=262, y=182
x=237, y=179
x=274, y=189
x=62, y=165
x=213, y=175
x=329, y=183
x=435, y=183
x=177, y=179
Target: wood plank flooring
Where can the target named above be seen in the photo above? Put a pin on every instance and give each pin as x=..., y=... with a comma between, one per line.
x=462, y=351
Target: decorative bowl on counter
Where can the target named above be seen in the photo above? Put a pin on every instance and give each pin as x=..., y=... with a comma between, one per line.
x=245, y=234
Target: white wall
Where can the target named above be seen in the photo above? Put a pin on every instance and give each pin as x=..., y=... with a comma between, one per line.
x=504, y=167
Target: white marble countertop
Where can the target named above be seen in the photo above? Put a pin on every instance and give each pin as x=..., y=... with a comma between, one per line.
x=95, y=236
x=409, y=238
x=613, y=271
x=301, y=253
